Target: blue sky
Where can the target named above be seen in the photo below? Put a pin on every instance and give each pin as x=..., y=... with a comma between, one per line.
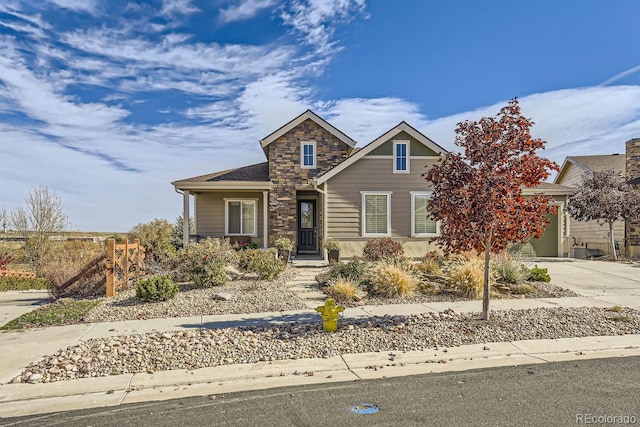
x=107, y=102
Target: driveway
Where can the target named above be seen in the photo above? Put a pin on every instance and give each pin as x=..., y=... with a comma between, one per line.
x=593, y=278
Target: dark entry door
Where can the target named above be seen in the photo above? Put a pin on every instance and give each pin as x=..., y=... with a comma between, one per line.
x=307, y=226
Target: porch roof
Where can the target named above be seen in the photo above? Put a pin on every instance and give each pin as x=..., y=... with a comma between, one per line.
x=252, y=177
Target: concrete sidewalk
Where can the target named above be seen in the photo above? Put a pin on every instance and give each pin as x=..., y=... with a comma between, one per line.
x=14, y=304
x=20, y=348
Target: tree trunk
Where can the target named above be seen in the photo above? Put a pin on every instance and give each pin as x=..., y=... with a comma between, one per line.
x=486, y=289
x=612, y=241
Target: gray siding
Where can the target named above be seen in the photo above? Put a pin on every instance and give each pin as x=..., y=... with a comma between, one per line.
x=210, y=211
x=371, y=174
x=416, y=148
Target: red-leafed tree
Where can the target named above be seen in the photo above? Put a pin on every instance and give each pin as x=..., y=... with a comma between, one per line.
x=477, y=196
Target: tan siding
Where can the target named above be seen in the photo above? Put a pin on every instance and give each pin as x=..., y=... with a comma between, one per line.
x=371, y=174
x=210, y=210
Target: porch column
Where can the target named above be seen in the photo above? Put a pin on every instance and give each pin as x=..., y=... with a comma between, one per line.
x=265, y=219
x=185, y=218
x=561, y=230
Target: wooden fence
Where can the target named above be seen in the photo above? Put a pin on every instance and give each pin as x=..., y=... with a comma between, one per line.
x=16, y=273
x=124, y=262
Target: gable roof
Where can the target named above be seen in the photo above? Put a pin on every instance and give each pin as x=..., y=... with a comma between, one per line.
x=548, y=188
x=307, y=115
x=595, y=163
x=254, y=176
x=357, y=155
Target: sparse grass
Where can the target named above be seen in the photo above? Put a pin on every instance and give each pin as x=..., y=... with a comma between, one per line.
x=522, y=288
x=22, y=283
x=61, y=313
x=615, y=309
x=509, y=269
x=625, y=319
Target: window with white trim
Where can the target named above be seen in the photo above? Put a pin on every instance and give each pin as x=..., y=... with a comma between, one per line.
x=308, y=154
x=376, y=213
x=400, y=156
x=240, y=216
x=421, y=224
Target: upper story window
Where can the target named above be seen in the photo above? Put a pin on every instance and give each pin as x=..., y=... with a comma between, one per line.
x=400, y=156
x=308, y=154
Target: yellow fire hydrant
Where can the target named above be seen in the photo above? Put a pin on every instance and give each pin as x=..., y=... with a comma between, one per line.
x=329, y=313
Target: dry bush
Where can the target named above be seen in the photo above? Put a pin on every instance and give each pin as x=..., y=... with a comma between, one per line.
x=509, y=268
x=382, y=247
x=68, y=259
x=390, y=281
x=342, y=289
x=468, y=276
x=522, y=288
x=428, y=266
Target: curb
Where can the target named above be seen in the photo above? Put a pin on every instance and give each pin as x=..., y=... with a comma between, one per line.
x=30, y=399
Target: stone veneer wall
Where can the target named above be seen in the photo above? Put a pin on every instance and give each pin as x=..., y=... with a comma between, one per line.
x=286, y=175
x=632, y=148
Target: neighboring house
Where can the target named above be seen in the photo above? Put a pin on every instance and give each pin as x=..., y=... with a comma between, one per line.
x=590, y=234
x=315, y=184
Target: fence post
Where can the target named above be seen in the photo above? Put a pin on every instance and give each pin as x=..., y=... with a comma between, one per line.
x=111, y=266
x=138, y=259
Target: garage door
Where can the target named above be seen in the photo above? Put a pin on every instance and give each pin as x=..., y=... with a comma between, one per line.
x=547, y=244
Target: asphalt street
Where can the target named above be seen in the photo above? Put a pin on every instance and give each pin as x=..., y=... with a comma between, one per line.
x=553, y=394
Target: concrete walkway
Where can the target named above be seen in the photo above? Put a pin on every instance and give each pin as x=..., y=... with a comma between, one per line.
x=15, y=303
x=23, y=347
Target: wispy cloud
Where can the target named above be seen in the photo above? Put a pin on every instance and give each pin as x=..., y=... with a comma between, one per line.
x=621, y=75
x=246, y=9
x=181, y=7
x=316, y=19
x=89, y=6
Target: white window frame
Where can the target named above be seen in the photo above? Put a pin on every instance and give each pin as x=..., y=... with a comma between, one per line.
x=395, y=159
x=364, y=213
x=255, y=217
x=413, y=215
x=315, y=154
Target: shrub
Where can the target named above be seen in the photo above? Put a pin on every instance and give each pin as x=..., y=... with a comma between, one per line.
x=468, y=277
x=342, y=289
x=383, y=247
x=204, y=262
x=352, y=270
x=9, y=283
x=509, y=269
x=390, y=281
x=331, y=244
x=157, y=237
x=157, y=288
x=428, y=266
x=537, y=274
x=283, y=244
x=264, y=263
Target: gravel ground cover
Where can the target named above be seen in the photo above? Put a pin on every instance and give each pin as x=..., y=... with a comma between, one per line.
x=192, y=349
x=246, y=296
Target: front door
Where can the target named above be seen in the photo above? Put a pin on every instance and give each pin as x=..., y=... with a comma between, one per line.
x=307, y=227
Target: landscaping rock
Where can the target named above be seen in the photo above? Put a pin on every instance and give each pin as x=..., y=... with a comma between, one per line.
x=222, y=297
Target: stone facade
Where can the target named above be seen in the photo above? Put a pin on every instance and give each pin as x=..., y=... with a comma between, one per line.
x=287, y=177
x=632, y=148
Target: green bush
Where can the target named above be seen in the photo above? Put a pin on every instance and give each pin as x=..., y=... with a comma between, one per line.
x=157, y=288
x=539, y=275
x=383, y=247
x=9, y=283
x=509, y=269
x=352, y=270
x=204, y=262
x=264, y=263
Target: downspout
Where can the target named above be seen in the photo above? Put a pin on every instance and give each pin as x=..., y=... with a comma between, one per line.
x=325, y=219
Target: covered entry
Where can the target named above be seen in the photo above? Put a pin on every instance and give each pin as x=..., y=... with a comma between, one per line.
x=307, y=226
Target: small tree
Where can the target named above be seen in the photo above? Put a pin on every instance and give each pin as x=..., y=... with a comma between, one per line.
x=478, y=196
x=156, y=236
x=42, y=218
x=4, y=219
x=605, y=197
x=176, y=237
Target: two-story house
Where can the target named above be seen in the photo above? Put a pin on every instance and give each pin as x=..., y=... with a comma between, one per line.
x=315, y=184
